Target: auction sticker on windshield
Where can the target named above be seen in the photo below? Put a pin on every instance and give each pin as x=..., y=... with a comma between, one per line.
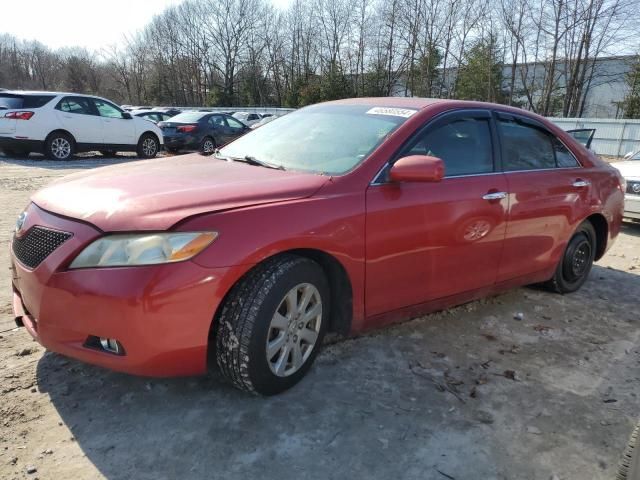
x=396, y=112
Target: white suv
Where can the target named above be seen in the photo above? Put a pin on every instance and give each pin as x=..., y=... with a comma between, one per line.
x=61, y=124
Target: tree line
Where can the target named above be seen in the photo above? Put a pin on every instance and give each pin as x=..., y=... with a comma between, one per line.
x=538, y=54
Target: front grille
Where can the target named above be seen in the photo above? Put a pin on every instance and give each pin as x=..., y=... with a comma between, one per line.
x=633, y=187
x=37, y=244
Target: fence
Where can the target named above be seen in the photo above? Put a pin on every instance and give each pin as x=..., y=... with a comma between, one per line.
x=271, y=110
x=613, y=138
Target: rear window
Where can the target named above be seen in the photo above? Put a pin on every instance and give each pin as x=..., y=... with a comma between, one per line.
x=188, y=117
x=10, y=101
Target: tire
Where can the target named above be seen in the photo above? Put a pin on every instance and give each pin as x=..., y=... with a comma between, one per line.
x=108, y=153
x=148, y=146
x=207, y=146
x=249, y=319
x=576, y=262
x=629, y=466
x=59, y=146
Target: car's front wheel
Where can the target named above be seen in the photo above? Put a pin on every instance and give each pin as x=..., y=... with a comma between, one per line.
x=577, y=260
x=148, y=146
x=272, y=324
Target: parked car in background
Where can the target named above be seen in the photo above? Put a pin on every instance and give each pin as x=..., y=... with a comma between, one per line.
x=339, y=217
x=630, y=170
x=200, y=131
x=153, y=115
x=173, y=111
x=61, y=124
x=247, y=118
x=264, y=121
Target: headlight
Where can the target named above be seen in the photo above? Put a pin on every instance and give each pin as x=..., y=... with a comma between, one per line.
x=143, y=249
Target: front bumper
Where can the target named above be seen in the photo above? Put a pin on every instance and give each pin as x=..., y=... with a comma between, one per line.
x=632, y=206
x=160, y=314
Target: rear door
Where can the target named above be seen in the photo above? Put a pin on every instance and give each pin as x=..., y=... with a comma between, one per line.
x=78, y=115
x=430, y=240
x=116, y=129
x=546, y=185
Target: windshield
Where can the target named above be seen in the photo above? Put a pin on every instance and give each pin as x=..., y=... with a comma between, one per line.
x=330, y=139
x=188, y=117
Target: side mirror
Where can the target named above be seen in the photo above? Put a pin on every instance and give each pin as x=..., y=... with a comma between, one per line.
x=126, y=115
x=417, y=168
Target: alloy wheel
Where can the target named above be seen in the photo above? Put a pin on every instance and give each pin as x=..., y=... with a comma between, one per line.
x=60, y=148
x=294, y=330
x=149, y=147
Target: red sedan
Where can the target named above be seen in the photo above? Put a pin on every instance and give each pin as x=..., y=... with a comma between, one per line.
x=338, y=217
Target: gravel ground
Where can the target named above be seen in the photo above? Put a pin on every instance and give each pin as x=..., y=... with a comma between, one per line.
x=469, y=393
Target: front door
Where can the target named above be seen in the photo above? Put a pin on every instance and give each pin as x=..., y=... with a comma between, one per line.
x=117, y=130
x=431, y=240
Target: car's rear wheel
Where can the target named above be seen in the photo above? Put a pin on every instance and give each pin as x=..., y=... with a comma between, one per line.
x=577, y=260
x=59, y=146
x=207, y=146
x=272, y=324
x=148, y=146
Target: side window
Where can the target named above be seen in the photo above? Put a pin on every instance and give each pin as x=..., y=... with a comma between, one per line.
x=78, y=105
x=108, y=110
x=216, y=122
x=525, y=147
x=564, y=158
x=235, y=124
x=464, y=145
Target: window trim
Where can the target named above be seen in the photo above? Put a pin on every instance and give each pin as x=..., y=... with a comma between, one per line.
x=437, y=121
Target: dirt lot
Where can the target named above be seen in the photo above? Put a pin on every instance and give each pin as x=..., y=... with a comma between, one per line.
x=470, y=393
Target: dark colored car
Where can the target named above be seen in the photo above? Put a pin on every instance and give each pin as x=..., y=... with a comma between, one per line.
x=154, y=116
x=201, y=131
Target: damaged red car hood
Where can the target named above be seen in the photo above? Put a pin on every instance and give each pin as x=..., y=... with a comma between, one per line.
x=156, y=194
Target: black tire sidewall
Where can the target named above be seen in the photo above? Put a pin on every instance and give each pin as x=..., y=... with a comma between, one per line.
x=262, y=378
x=565, y=285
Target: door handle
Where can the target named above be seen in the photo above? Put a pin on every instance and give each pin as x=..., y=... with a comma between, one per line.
x=494, y=196
x=581, y=183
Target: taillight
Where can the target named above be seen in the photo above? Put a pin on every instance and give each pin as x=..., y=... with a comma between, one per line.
x=19, y=115
x=186, y=128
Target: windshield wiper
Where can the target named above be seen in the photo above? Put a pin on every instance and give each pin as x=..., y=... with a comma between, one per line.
x=248, y=159
x=261, y=163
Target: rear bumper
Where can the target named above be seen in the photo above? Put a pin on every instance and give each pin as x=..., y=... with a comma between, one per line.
x=21, y=144
x=187, y=142
x=632, y=206
x=160, y=314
